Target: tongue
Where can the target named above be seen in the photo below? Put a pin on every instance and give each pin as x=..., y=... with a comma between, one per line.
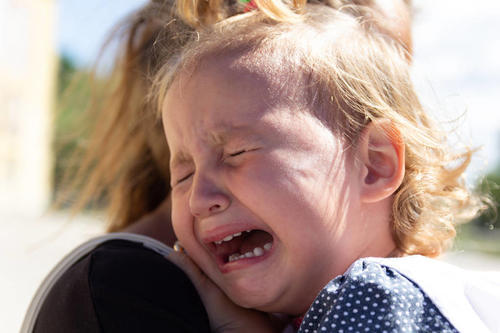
x=227, y=248
x=253, y=239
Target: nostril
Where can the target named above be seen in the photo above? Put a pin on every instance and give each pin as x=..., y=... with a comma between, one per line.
x=215, y=208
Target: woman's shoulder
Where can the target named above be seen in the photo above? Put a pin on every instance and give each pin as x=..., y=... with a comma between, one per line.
x=117, y=282
x=407, y=293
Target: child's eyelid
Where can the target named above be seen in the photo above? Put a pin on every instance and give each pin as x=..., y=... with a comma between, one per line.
x=183, y=178
x=237, y=152
x=180, y=173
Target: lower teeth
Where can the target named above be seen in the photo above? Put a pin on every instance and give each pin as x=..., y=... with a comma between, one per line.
x=257, y=252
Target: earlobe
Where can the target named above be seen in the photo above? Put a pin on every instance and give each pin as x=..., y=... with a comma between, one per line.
x=382, y=153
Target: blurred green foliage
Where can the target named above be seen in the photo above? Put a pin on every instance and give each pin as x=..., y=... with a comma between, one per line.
x=483, y=233
x=490, y=185
x=72, y=100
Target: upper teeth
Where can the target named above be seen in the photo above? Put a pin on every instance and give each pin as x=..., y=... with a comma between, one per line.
x=228, y=238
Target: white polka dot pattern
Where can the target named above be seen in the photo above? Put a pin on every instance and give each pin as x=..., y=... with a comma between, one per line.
x=373, y=298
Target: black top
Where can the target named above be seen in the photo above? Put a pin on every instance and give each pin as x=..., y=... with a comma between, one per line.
x=121, y=286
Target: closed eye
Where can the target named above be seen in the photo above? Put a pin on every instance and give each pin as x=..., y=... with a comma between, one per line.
x=238, y=153
x=184, y=178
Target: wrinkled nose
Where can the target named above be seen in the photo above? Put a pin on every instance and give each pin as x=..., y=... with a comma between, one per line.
x=207, y=198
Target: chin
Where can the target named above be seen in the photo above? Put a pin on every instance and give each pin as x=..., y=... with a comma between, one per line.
x=251, y=296
x=262, y=299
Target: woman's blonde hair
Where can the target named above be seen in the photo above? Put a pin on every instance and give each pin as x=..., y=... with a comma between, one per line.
x=351, y=67
x=123, y=165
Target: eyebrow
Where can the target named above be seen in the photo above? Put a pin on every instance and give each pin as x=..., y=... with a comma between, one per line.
x=218, y=137
x=222, y=133
x=179, y=158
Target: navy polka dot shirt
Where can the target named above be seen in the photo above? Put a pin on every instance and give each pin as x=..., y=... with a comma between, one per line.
x=372, y=297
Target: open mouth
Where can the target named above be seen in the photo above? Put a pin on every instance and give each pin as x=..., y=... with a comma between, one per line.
x=242, y=245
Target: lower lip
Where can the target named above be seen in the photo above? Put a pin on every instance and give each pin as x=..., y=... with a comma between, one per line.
x=243, y=263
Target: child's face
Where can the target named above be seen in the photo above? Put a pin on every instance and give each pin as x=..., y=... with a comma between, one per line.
x=246, y=159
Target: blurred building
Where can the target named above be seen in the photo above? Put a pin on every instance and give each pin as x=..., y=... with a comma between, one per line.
x=27, y=79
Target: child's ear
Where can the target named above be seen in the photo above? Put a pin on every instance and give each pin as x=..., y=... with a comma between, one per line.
x=382, y=153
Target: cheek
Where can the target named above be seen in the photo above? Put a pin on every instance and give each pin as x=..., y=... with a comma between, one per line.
x=181, y=220
x=295, y=192
x=280, y=178
x=271, y=187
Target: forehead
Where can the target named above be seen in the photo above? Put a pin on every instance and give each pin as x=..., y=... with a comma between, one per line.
x=224, y=92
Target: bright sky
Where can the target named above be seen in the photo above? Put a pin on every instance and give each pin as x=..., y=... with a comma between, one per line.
x=457, y=67
x=84, y=25
x=457, y=45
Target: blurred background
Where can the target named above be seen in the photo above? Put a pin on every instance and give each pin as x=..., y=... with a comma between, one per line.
x=45, y=43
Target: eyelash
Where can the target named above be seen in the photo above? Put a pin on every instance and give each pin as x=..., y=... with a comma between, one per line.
x=235, y=154
x=184, y=178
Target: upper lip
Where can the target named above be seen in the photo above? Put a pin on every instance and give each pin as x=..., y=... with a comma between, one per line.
x=220, y=232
